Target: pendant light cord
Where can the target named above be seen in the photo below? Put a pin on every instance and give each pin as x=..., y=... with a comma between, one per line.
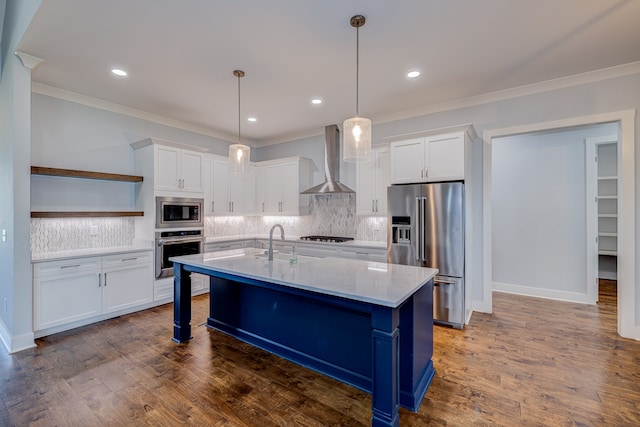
x=239, y=120
x=357, y=66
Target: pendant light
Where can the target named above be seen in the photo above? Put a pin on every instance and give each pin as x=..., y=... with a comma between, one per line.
x=357, y=130
x=238, y=153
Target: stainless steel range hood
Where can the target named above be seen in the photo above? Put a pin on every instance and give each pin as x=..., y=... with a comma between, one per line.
x=331, y=184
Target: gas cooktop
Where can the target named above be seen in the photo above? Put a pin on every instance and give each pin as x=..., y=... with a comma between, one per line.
x=332, y=239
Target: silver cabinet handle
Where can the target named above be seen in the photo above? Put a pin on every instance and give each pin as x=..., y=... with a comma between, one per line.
x=443, y=282
x=70, y=266
x=212, y=207
x=129, y=259
x=376, y=205
x=105, y=280
x=373, y=205
x=417, y=224
x=99, y=279
x=262, y=206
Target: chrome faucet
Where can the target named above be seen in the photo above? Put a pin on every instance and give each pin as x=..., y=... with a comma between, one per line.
x=271, y=239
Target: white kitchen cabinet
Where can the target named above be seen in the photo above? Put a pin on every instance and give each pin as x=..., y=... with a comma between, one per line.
x=372, y=179
x=127, y=281
x=430, y=158
x=278, y=186
x=178, y=170
x=66, y=291
x=78, y=289
x=232, y=194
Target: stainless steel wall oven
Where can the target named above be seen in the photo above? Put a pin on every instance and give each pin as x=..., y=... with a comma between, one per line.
x=179, y=212
x=176, y=243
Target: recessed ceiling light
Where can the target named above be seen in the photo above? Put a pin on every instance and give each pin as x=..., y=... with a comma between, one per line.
x=252, y=119
x=119, y=72
x=316, y=101
x=413, y=74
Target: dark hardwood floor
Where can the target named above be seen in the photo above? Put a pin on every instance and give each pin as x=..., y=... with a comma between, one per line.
x=533, y=362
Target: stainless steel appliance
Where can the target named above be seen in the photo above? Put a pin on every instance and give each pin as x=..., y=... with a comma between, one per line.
x=332, y=239
x=425, y=227
x=176, y=243
x=179, y=212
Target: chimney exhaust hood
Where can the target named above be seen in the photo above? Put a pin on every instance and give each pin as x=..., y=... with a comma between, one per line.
x=331, y=184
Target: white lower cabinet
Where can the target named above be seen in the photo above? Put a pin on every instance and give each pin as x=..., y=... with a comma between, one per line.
x=82, y=288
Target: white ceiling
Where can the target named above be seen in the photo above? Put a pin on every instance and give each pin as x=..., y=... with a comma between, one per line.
x=180, y=55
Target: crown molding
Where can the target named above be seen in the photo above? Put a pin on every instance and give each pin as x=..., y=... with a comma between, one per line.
x=29, y=61
x=549, y=85
x=101, y=104
x=534, y=88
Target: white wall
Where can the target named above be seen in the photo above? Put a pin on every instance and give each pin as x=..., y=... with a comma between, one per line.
x=74, y=136
x=15, y=87
x=539, y=212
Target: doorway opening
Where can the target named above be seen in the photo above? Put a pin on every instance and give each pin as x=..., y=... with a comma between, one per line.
x=626, y=269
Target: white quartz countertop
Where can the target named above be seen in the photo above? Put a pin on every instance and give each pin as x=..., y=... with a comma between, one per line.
x=296, y=239
x=79, y=253
x=383, y=284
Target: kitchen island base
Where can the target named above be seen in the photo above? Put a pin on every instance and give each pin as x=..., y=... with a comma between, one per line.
x=382, y=350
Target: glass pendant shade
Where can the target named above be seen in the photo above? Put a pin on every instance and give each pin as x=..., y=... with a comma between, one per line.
x=356, y=140
x=238, y=158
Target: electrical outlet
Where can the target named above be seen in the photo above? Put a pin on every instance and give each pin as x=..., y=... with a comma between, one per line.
x=4, y=235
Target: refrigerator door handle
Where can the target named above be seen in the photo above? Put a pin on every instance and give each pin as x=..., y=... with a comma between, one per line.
x=418, y=236
x=423, y=209
x=443, y=282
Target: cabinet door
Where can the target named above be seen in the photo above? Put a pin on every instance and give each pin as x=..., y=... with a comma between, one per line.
x=366, y=186
x=127, y=287
x=237, y=193
x=290, y=189
x=407, y=161
x=446, y=158
x=191, y=171
x=66, y=298
x=273, y=184
x=221, y=187
x=383, y=180
x=261, y=190
x=207, y=185
x=167, y=168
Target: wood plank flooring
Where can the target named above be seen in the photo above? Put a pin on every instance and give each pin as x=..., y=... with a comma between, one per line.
x=533, y=362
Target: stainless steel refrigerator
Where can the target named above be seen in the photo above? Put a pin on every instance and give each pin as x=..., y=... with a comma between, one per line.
x=425, y=227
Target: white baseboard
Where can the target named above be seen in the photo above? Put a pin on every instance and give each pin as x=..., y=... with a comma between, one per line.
x=14, y=344
x=541, y=293
x=482, y=306
x=609, y=275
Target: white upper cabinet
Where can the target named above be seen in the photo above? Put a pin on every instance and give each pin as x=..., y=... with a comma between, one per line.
x=430, y=158
x=169, y=168
x=231, y=194
x=278, y=186
x=178, y=170
x=372, y=179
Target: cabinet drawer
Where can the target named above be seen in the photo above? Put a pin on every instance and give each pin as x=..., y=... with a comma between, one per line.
x=68, y=266
x=215, y=247
x=124, y=260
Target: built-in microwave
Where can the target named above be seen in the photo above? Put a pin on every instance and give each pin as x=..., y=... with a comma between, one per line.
x=179, y=212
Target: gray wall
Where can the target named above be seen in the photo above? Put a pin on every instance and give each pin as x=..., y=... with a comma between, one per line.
x=539, y=212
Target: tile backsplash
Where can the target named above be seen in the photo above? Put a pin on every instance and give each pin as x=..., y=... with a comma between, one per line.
x=330, y=214
x=60, y=234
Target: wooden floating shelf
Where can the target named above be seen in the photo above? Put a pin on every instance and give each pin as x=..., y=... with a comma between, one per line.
x=85, y=214
x=71, y=173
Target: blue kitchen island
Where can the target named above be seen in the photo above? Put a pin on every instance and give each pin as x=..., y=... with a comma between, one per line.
x=364, y=323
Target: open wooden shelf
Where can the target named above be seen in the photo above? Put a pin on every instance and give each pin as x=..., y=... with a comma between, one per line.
x=85, y=214
x=72, y=173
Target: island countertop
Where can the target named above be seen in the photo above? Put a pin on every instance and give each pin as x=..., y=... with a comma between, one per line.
x=382, y=284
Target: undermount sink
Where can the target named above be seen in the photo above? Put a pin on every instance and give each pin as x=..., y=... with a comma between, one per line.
x=285, y=256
